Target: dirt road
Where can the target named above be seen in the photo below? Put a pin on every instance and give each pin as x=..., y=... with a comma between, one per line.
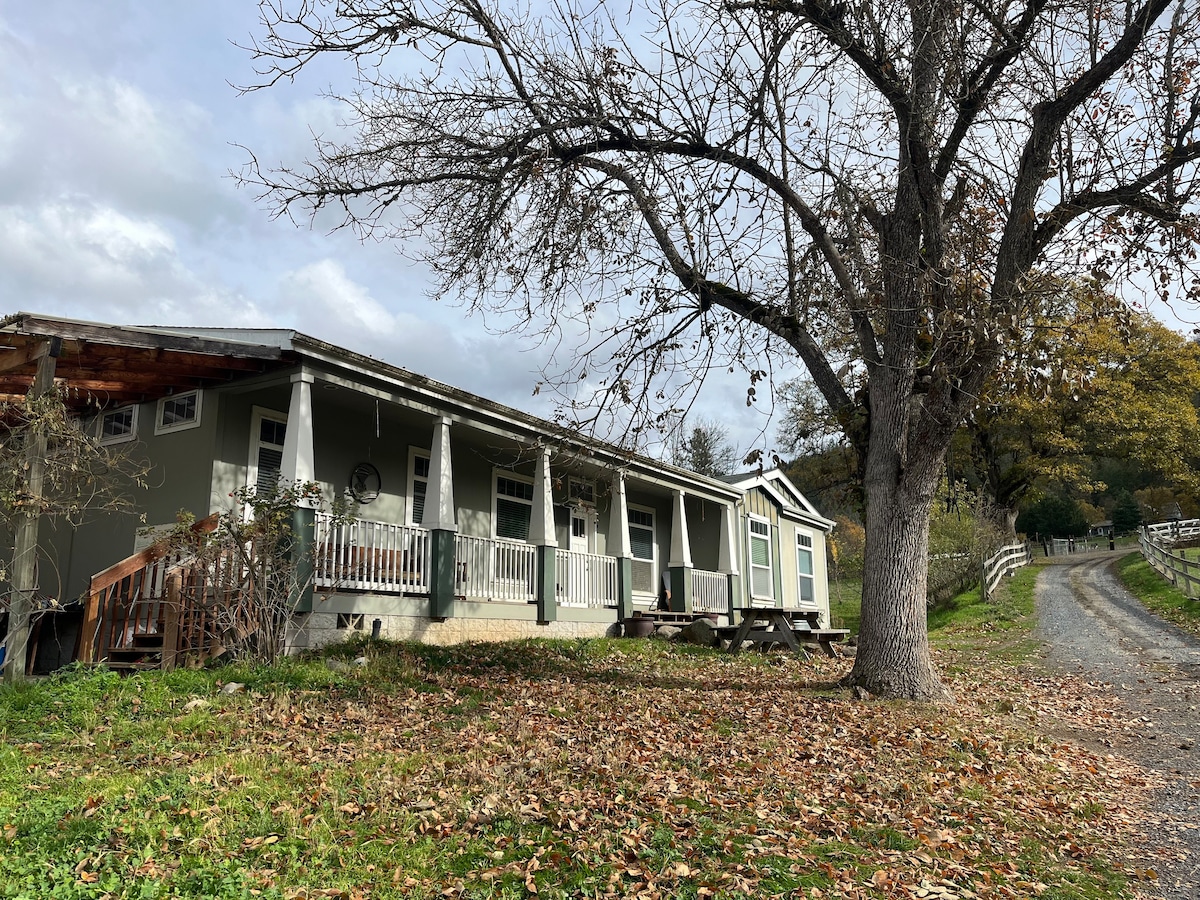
x=1093, y=627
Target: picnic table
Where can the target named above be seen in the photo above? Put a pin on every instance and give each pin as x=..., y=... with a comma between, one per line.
x=765, y=626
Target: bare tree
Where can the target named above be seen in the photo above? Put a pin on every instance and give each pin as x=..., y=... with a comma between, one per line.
x=869, y=188
x=51, y=470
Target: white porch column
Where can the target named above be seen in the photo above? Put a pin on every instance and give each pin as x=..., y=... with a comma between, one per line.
x=726, y=557
x=299, y=458
x=439, y=508
x=618, y=523
x=541, y=526
x=681, y=546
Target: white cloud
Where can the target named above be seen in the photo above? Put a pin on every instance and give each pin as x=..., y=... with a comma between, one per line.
x=75, y=257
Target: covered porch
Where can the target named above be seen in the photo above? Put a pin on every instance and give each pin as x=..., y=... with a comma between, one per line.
x=543, y=525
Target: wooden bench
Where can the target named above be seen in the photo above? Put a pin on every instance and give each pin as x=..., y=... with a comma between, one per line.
x=765, y=627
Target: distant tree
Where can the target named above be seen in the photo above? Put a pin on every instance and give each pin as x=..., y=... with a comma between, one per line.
x=867, y=189
x=1053, y=517
x=1124, y=386
x=1126, y=514
x=704, y=446
x=1159, y=503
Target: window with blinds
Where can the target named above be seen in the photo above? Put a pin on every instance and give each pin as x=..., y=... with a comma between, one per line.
x=513, y=508
x=641, y=543
x=762, y=578
x=266, y=460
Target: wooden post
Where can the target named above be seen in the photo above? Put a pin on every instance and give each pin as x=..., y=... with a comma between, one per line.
x=171, y=621
x=25, y=541
x=87, y=631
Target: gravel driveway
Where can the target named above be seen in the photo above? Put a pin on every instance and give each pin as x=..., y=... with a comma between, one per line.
x=1094, y=628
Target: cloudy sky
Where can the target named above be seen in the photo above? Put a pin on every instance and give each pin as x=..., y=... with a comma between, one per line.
x=118, y=130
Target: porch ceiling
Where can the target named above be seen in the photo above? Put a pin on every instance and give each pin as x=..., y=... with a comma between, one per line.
x=104, y=365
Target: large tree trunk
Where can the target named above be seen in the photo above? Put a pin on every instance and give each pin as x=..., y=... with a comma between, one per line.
x=893, y=658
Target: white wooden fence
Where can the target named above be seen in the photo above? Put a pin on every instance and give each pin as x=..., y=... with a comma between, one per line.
x=1167, y=533
x=1156, y=544
x=1006, y=560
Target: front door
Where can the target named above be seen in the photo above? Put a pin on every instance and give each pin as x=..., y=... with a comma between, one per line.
x=581, y=531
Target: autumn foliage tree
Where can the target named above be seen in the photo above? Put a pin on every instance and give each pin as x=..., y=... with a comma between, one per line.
x=866, y=188
x=1093, y=380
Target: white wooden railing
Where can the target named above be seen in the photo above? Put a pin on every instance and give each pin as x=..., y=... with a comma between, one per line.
x=1170, y=532
x=710, y=591
x=585, y=580
x=1171, y=564
x=491, y=569
x=1006, y=560
x=371, y=556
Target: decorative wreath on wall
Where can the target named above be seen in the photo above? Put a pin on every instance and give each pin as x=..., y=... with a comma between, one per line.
x=365, y=482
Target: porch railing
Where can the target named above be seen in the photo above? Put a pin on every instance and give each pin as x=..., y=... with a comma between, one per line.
x=371, y=556
x=490, y=569
x=585, y=580
x=710, y=591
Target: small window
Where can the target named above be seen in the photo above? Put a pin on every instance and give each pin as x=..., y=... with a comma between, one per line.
x=178, y=413
x=804, y=567
x=581, y=493
x=118, y=425
x=513, y=509
x=350, y=621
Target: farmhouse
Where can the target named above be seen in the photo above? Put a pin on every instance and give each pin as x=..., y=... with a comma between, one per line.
x=472, y=520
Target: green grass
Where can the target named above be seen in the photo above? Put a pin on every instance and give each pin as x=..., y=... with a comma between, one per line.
x=845, y=603
x=1158, y=594
x=581, y=768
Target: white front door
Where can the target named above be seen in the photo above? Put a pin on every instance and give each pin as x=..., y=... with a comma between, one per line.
x=581, y=531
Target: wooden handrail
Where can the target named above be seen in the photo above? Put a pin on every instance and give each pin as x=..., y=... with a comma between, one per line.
x=114, y=574
x=156, y=551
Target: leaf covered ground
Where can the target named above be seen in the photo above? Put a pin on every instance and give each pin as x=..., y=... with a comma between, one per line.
x=556, y=769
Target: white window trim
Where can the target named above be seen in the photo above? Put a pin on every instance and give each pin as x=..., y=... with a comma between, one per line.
x=812, y=564
x=257, y=414
x=579, y=503
x=653, y=531
x=160, y=428
x=119, y=438
x=655, y=574
x=751, y=567
x=410, y=500
x=497, y=474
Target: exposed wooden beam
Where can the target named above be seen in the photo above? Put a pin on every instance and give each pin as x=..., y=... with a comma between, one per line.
x=21, y=356
x=134, y=337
